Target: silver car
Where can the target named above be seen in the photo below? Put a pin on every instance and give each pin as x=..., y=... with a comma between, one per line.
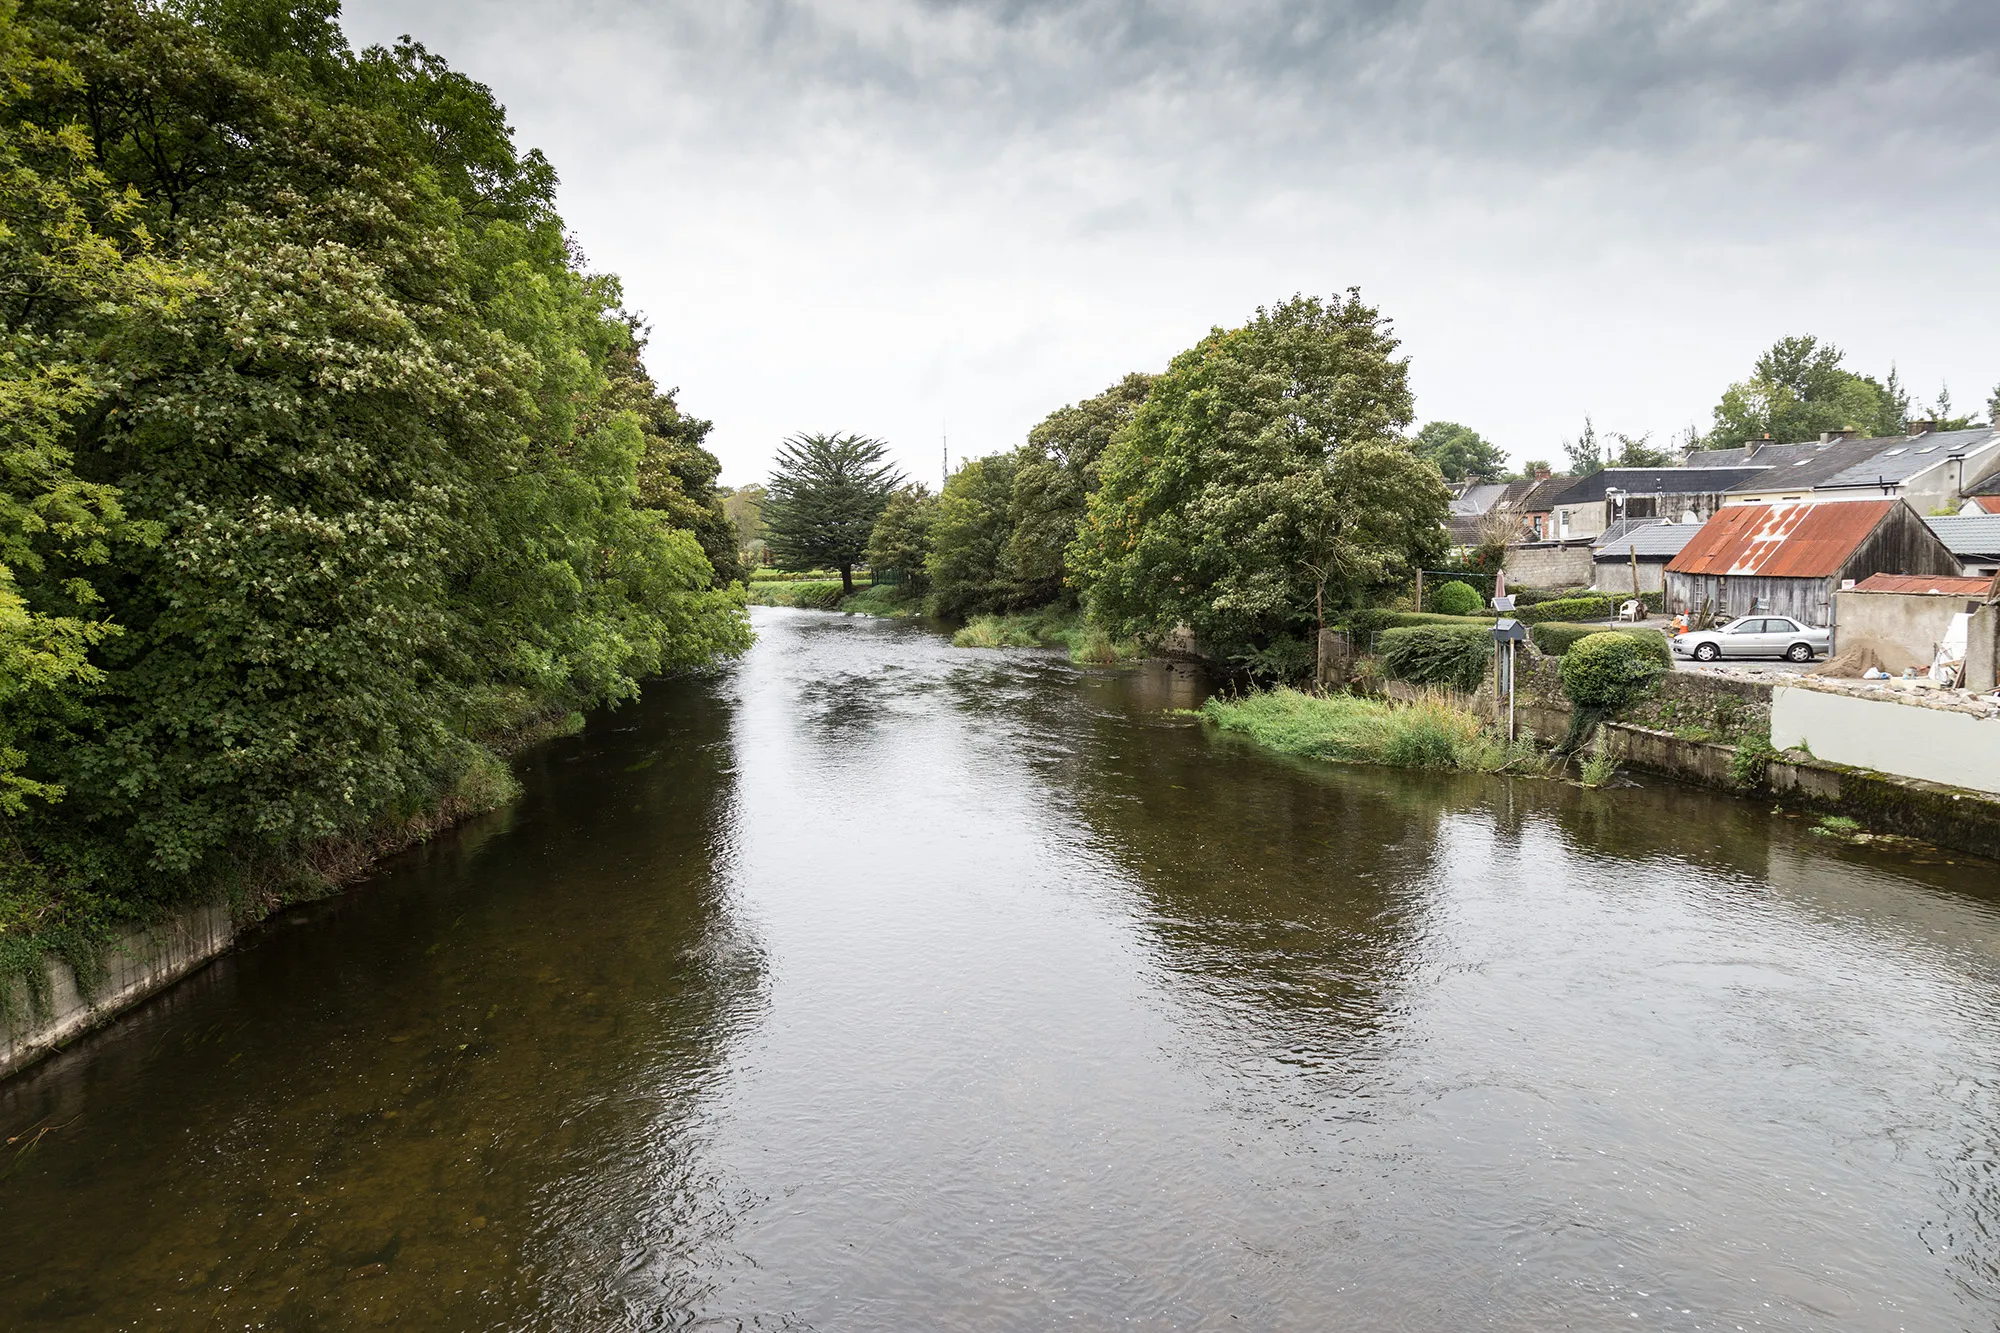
x=1756, y=636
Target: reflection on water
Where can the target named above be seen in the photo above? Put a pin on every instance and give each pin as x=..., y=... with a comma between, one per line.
x=882, y=985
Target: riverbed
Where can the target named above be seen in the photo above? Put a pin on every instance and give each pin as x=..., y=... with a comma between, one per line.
x=875, y=984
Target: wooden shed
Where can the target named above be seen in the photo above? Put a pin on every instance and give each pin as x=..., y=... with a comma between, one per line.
x=1790, y=559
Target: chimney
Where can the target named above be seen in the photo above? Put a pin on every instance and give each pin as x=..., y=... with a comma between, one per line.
x=1750, y=448
x=1916, y=428
x=1835, y=436
x=1541, y=474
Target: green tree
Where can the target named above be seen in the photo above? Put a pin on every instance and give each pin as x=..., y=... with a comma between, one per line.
x=1637, y=451
x=1055, y=476
x=744, y=506
x=1263, y=482
x=1993, y=408
x=1798, y=390
x=1534, y=467
x=1460, y=452
x=1585, y=452
x=901, y=537
x=968, y=566
x=826, y=493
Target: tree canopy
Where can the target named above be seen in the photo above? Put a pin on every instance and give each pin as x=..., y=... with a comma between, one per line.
x=329, y=467
x=1264, y=479
x=1460, y=452
x=901, y=537
x=826, y=493
x=1798, y=390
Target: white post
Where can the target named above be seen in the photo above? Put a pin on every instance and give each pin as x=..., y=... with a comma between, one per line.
x=1510, y=691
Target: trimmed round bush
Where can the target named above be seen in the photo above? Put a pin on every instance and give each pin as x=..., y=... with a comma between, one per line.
x=1609, y=671
x=1456, y=599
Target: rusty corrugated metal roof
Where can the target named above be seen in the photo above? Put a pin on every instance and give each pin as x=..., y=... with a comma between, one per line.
x=1781, y=541
x=1942, y=584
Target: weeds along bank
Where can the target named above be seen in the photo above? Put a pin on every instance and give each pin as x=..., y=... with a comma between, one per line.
x=331, y=474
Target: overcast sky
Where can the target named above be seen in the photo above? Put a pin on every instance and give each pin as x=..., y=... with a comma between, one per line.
x=899, y=217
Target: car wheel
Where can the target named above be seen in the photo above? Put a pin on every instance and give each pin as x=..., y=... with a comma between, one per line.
x=1799, y=652
x=1706, y=652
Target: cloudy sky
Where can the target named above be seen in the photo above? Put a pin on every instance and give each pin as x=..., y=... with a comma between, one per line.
x=908, y=216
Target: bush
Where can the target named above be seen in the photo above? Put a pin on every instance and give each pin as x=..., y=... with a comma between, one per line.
x=1429, y=733
x=811, y=596
x=1606, y=672
x=1438, y=654
x=1557, y=639
x=1457, y=599
x=1570, y=609
x=1376, y=619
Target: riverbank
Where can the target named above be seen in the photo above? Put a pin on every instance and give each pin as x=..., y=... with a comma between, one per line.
x=57, y=986
x=1709, y=731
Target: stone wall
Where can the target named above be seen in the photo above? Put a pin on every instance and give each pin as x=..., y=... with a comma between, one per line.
x=1549, y=565
x=140, y=965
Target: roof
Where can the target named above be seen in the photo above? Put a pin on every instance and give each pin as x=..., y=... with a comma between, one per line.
x=1478, y=498
x=1765, y=454
x=1539, y=497
x=1903, y=459
x=1651, y=541
x=1990, y=486
x=1781, y=541
x=1921, y=583
x=1990, y=503
x=1804, y=466
x=1654, y=481
x=1969, y=534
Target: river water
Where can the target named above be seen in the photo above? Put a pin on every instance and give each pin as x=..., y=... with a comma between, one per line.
x=877, y=984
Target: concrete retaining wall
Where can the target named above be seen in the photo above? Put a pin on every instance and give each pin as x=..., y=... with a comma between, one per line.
x=1941, y=745
x=140, y=965
x=1902, y=629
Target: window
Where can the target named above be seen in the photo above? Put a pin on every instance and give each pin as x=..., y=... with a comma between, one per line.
x=1780, y=627
x=1747, y=627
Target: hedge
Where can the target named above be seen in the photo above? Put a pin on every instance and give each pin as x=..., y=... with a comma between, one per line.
x=1454, y=655
x=1593, y=607
x=1376, y=619
x=1555, y=638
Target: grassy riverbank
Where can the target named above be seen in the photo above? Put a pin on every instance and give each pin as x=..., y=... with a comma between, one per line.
x=1430, y=733
x=881, y=599
x=1050, y=627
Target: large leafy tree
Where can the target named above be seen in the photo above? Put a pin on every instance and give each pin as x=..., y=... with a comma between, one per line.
x=968, y=565
x=1460, y=452
x=368, y=478
x=826, y=493
x=1799, y=389
x=1264, y=480
x=1056, y=473
x=901, y=537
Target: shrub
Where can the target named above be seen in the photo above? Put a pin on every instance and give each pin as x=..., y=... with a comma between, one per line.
x=1607, y=672
x=1456, y=599
x=1376, y=619
x=1438, y=654
x=1285, y=658
x=1557, y=639
x=1429, y=733
x=1569, y=609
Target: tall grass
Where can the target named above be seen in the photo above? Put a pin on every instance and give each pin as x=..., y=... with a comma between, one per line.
x=1049, y=627
x=1428, y=733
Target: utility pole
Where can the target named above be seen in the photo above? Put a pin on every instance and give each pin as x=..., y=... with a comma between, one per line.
x=944, y=475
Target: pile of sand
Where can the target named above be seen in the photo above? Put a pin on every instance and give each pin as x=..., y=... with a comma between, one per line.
x=1852, y=664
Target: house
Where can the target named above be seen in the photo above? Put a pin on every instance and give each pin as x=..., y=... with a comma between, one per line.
x=1637, y=550
x=1982, y=497
x=1589, y=505
x=1792, y=472
x=1471, y=502
x=1973, y=540
x=1897, y=621
x=1790, y=558
x=1537, y=558
x=1930, y=469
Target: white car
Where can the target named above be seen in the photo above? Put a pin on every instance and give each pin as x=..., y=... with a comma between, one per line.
x=1756, y=636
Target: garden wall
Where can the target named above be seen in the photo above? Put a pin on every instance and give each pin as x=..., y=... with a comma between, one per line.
x=1909, y=734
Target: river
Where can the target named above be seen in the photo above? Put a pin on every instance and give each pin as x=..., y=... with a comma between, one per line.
x=876, y=984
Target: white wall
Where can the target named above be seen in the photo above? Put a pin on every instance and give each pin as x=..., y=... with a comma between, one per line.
x=1935, y=744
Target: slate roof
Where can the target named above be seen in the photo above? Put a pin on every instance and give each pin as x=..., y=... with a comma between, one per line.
x=1990, y=486
x=1943, y=585
x=1655, y=481
x=1652, y=541
x=1805, y=466
x=1903, y=459
x=1783, y=541
x=1538, y=497
x=1765, y=455
x=1477, y=499
x=1971, y=534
